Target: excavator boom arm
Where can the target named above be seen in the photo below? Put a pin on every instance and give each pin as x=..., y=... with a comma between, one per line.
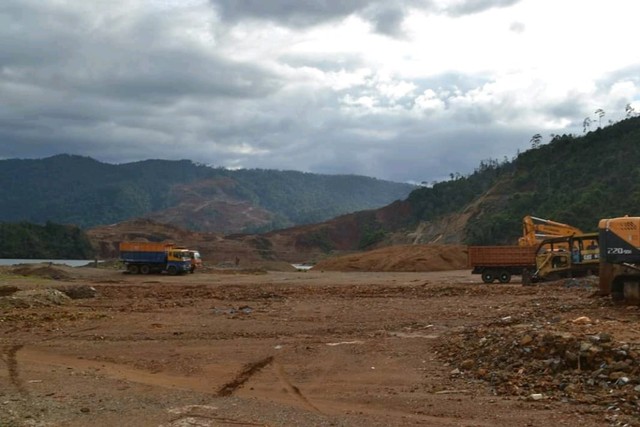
x=535, y=229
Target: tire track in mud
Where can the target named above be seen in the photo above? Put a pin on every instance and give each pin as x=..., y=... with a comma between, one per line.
x=252, y=369
x=9, y=357
x=249, y=370
x=282, y=375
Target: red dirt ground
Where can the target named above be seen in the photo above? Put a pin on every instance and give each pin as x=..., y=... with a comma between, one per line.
x=315, y=348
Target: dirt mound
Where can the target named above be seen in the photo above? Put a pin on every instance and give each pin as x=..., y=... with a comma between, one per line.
x=401, y=258
x=47, y=271
x=34, y=298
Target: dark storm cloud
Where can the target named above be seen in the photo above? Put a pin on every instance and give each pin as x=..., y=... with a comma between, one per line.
x=386, y=16
x=216, y=82
x=387, y=20
x=470, y=7
x=290, y=12
x=124, y=56
x=112, y=82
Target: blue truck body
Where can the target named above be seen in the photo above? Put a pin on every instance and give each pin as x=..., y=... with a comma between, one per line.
x=147, y=257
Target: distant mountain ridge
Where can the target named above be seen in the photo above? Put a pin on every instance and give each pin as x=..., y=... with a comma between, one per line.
x=70, y=189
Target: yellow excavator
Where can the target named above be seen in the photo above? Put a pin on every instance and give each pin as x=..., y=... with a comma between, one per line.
x=535, y=230
x=620, y=258
x=501, y=262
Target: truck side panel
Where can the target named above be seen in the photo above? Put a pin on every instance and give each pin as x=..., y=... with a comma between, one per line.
x=501, y=256
x=144, y=257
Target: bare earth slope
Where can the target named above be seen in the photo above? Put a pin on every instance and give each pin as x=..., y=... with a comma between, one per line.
x=400, y=258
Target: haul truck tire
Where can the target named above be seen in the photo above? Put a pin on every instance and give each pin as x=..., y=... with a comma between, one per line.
x=487, y=276
x=504, y=277
x=133, y=269
x=144, y=269
x=172, y=270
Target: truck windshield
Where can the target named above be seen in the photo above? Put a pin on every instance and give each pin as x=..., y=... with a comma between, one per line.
x=183, y=255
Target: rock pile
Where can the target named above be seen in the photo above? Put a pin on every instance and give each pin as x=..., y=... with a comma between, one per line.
x=535, y=361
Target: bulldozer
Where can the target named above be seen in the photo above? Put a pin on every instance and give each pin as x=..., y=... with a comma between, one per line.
x=577, y=255
x=620, y=258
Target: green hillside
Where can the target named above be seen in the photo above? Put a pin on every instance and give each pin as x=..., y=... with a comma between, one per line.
x=55, y=241
x=82, y=191
x=574, y=179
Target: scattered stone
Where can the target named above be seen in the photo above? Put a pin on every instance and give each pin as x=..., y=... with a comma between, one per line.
x=622, y=381
x=585, y=346
x=467, y=364
x=604, y=337
x=548, y=361
x=526, y=340
x=80, y=292
x=614, y=376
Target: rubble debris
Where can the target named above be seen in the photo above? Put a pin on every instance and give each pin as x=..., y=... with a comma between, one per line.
x=79, y=292
x=35, y=298
x=535, y=362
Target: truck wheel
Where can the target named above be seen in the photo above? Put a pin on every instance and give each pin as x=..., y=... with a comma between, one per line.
x=488, y=277
x=144, y=269
x=172, y=270
x=133, y=269
x=504, y=277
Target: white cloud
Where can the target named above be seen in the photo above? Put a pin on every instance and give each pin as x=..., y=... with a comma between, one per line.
x=429, y=101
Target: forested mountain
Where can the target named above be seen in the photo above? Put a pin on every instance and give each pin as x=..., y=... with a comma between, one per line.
x=574, y=179
x=82, y=191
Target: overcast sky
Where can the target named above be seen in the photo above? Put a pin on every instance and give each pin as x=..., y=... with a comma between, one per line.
x=404, y=90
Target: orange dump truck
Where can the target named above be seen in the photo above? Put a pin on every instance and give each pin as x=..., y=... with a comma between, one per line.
x=501, y=262
x=149, y=257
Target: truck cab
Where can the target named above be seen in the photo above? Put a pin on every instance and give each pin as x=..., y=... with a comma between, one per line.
x=196, y=260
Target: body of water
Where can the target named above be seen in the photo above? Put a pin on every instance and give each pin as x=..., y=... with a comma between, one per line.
x=69, y=262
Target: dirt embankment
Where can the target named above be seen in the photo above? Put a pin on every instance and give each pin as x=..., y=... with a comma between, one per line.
x=411, y=258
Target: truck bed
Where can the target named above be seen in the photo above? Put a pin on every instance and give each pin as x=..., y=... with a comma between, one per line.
x=144, y=246
x=501, y=256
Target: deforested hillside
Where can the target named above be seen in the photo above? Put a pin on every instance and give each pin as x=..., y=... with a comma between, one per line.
x=82, y=191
